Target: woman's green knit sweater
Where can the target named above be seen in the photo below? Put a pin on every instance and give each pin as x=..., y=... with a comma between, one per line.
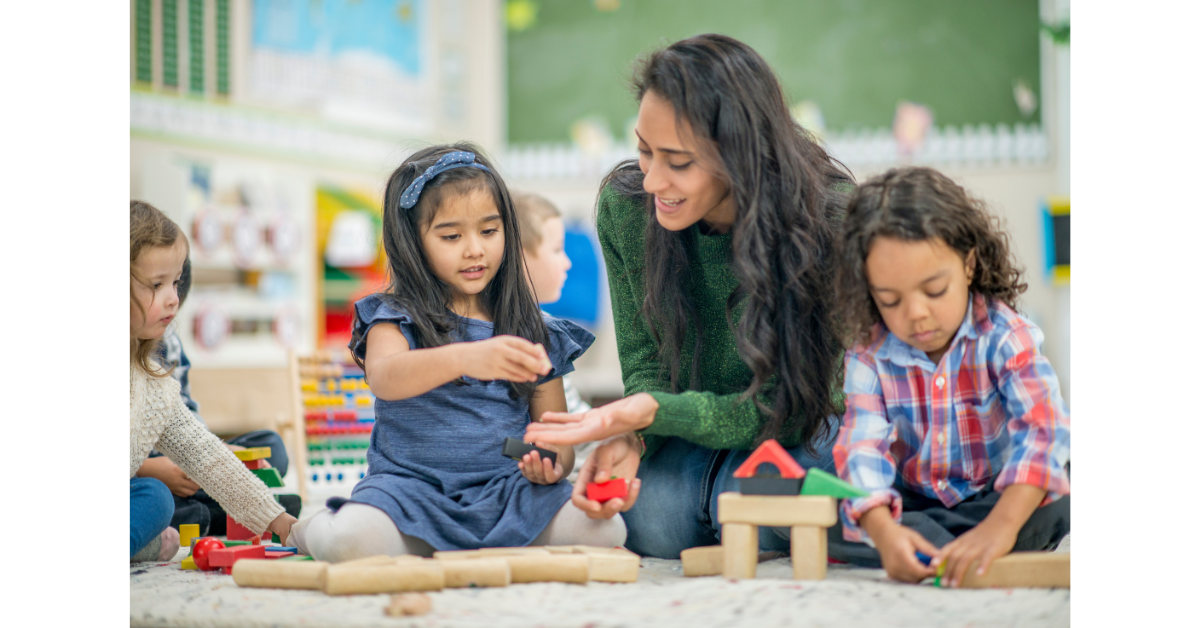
x=710, y=412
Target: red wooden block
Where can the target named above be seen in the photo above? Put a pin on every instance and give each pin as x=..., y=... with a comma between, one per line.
x=228, y=556
x=235, y=531
x=270, y=555
x=261, y=463
x=227, y=571
x=774, y=453
x=604, y=491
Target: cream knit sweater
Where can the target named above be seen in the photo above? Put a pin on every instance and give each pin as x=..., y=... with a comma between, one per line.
x=159, y=419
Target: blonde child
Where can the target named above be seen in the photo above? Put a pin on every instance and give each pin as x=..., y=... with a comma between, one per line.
x=459, y=358
x=158, y=417
x=543, y=237
x=954, y=420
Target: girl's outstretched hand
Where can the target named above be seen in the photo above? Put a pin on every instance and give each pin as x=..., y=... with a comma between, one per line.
x=539, y=470
x=509, y=358
x=282, y=525
x=630, y=414
x=619, y=456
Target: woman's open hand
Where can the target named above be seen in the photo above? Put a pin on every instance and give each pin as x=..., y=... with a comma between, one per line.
x=630, y=414
x=618, y=456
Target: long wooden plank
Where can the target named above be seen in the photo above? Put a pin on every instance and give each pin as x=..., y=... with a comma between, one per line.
x=1034, y=570
x=772, y=510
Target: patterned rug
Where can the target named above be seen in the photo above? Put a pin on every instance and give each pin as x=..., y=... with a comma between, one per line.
x=163, y=595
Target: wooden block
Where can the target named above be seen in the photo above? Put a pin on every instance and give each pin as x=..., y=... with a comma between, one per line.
x=612, y=564
x=188, y=563
x=703, y=561
x=767, y=510
x=276, y=555
x=559, y=549
x=253, y=453
x=272, y=574
x=810, y=555
x=1034, y=570
x=610, y=489
x=548, y=568
x=379, y=559
x=261, y=463
x=226, y=557
x=488, y=552
x=235, y=531
x=344, y=579
x=480, y=572
x=270, y=477
x=187, y=532
x=740, y=542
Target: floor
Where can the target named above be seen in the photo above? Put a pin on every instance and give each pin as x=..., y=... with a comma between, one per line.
x=161, y=594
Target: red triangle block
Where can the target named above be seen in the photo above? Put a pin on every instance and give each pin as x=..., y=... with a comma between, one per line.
x=774, y=453
x=230, y=555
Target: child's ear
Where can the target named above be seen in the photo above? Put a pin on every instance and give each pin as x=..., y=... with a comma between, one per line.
x=970, y=263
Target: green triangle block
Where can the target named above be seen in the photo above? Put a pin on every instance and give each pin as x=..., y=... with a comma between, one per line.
x=818, y=482
x=296, y=557
x=270, y=477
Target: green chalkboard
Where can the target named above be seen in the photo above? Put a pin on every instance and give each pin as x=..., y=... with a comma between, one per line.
x=855, y=58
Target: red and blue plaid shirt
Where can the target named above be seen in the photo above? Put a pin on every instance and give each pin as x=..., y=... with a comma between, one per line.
x=991, y=409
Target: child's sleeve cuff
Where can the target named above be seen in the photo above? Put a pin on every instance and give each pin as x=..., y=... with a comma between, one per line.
x=854, y=509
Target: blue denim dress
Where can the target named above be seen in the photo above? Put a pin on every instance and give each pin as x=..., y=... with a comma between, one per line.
x=434, y=463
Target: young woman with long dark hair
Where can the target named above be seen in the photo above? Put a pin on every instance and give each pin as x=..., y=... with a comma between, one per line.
x=718, y=242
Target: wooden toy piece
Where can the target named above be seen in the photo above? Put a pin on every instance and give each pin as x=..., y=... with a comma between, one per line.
x=275, y=538
x=611, y=564
x=368, y=561
x=228, y=556
x=296, y=557
x=818, y=482
x=188, y=563
x=261, y=463
x=610, y=489
x=423, y=575
x=235, y=531
x=272, y=574
x=226, y=570
x=489, y=552
x=278, y=555
x=408, y=604
x=549, y=568
x=187, y=532
x=810, y=553
x=1034, y=570
x=280, y=548
x=270, y=477
x=202, y=548
x=229, y=543
x=703, y=561
x=752, y=482
x=480, y=572
x=253, y=453
x=256, y=540
x=516, y=449
x=740, y=543
x=768, y=510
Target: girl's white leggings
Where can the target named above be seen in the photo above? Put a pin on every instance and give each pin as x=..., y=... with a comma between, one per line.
x=359, y=530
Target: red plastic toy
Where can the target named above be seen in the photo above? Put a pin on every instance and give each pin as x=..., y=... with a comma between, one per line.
x=770, y=451
x=200, y=551
x=610, y=489
x=230, y=555
x=235, y=531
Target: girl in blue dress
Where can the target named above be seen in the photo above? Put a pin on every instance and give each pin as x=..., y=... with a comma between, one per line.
x=459, y=357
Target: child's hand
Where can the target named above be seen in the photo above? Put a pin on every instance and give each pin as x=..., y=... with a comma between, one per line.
x=985, y=542
x=898, y=546
x=538, y=470
x=505, y=357
x=282, y=526
x=162, y=469
x=619, y=456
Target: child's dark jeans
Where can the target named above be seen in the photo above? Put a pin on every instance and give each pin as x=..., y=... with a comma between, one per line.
x=940, y=525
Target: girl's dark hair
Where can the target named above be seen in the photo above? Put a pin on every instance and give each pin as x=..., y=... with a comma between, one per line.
x=413, y=286
x=148, y=228
x=782, y=184
x=917, y=204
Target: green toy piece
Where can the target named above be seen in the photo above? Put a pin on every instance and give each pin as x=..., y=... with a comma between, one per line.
x=236, y=543
x=296, y=557
x=270, y=477
x=818, y=482
x=274, y=538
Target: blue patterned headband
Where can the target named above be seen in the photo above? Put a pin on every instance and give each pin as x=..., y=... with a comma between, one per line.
x=450, y=161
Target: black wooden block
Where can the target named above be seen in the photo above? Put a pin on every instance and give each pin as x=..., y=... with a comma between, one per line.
x=516, y=449
x=770, y=486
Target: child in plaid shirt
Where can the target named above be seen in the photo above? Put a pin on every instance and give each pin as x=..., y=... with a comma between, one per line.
x=954, y=420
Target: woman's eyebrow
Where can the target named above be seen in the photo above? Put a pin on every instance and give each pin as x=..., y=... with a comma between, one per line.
x=673, y=151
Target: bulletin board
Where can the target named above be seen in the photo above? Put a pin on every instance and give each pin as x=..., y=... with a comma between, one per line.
x=855, y=58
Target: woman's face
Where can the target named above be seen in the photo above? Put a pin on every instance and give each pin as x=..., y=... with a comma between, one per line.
x=680, y=176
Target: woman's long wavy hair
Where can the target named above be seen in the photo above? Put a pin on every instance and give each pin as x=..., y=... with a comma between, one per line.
x=148, y=228
x=782, y=184
x=413, y=286
x=918, y=204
